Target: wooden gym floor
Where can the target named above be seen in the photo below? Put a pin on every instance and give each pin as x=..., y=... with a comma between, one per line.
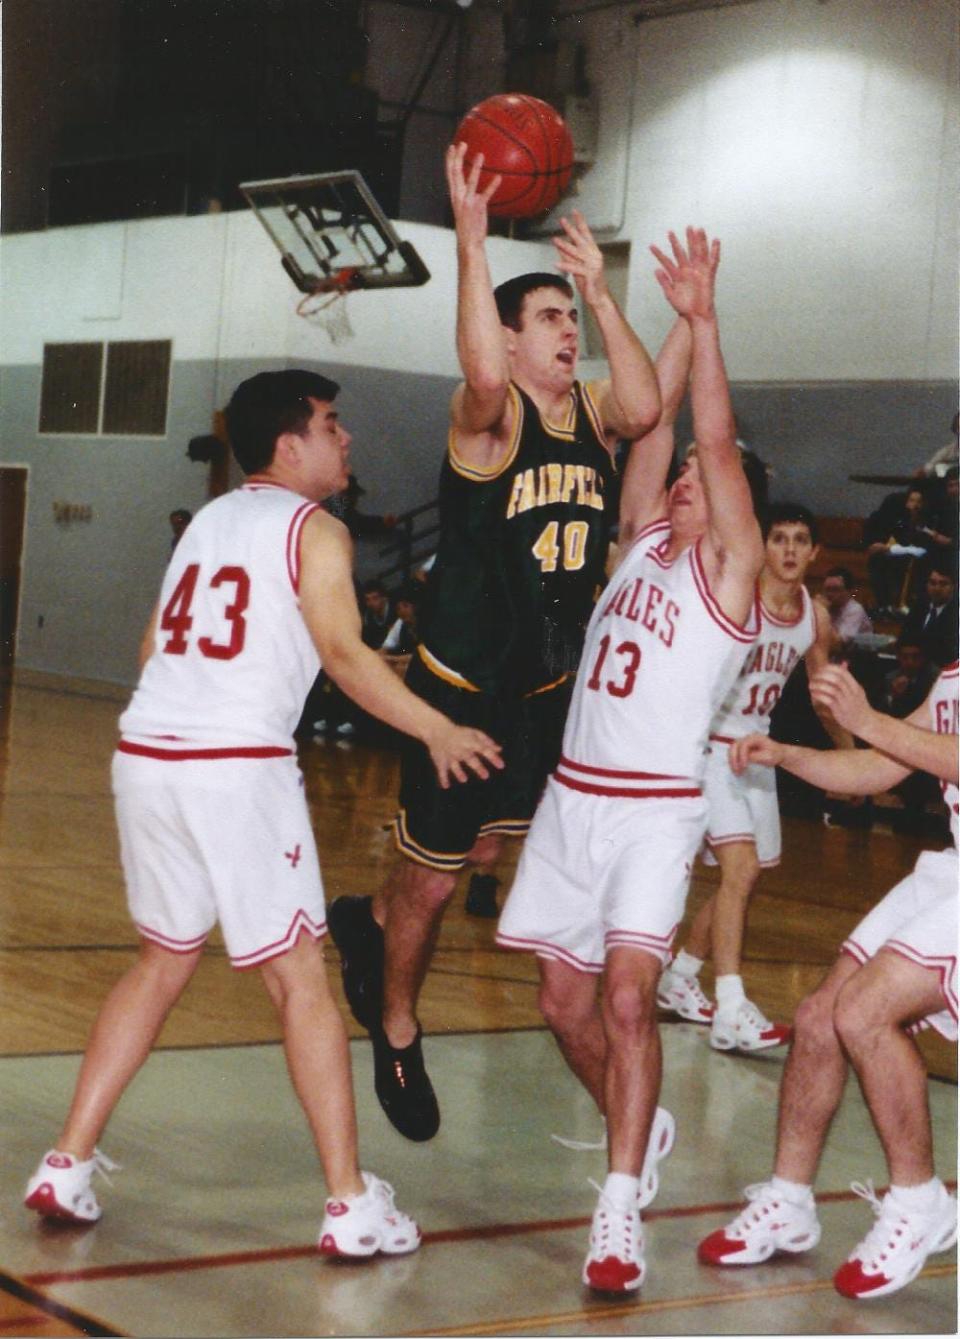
x=209, y=1228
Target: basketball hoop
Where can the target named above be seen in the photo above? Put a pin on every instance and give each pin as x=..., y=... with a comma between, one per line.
x=326, y=305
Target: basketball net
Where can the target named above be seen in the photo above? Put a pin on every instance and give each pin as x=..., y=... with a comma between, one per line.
x=327, y=308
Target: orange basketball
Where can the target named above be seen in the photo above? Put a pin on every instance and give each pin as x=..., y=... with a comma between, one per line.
x=527, y=142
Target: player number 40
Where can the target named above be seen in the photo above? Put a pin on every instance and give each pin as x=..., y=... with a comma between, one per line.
x=177, y=619
x=574, y=546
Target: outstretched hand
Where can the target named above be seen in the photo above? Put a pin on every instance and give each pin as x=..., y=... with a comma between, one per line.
x=835, y=688
x=469, y=203
x=754, y=749
x=688, y=280
x=581, y=258
x=456, y=748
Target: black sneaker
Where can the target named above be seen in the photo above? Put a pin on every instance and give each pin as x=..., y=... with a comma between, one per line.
x=404, y=1088
x=359, y=941
x=482, y=896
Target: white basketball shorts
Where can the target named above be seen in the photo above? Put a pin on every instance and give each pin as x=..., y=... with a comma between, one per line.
x=918, y=920
x=599, y=872
x=226, y=840
x=740, y=808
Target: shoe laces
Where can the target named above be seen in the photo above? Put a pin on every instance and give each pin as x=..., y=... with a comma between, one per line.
x=761, y=1198
x=617, y=1228
x=885, y=1236
x=582, y=1145
x=690, y=986
x=749, y=1013
x=104, y=1165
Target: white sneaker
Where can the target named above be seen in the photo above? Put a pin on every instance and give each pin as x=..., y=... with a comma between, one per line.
x=614, y=1262
x=895, y=1249
x=60, y=1187
x=663, y=1134
x=682, y=995
x=749, y=1031
x=768, y=1224
x=367, y=1223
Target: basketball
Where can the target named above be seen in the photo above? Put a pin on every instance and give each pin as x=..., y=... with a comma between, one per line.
x=527, y=142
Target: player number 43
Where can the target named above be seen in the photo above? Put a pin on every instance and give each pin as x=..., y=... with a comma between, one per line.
x=177, y=619
x=574, y=546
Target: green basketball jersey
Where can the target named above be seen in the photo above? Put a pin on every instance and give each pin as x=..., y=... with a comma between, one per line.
x=521, y=553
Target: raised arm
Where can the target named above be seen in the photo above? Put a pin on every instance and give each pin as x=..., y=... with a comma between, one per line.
x=480, y=401
x=688, y=280
x=629, y=399
x=643, y=496
x=329, y=608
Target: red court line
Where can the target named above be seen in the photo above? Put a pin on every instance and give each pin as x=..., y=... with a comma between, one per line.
x=139, y=1269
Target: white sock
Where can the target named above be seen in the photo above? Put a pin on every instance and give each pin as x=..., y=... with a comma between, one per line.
x=918, y=1199
x=685, y=964
x=730, y=993
x=621, y=1189
x=793, y=1191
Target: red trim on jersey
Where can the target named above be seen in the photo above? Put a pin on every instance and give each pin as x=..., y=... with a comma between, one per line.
x=184, y=755
x=723, y=739
x=747, y=632
x=618, y=792
x=805, y=608
x=661, y=524
x=950, y=671
x=616, y=771
x=300, y=517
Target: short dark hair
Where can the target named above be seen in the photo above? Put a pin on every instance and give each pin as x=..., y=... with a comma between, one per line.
x=373, y=584
x=783, y=513
x=267, y=405
x=509, y=296
x=943, y=567
x=845, y=575
x=181, y=514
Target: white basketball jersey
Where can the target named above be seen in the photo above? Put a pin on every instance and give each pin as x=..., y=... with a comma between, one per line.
x=767, y=667
x=944, y=719
x=233, y=660
x=659, y=658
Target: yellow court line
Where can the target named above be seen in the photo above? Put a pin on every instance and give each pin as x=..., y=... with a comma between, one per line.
x=615, y=1310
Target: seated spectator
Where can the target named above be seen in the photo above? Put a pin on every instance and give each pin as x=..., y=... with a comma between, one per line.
x=943, y=499
x=906, y=686
x=345, y=506
x=947, y=457
x=402, y=639
x=895, y=536
x=932, y=622
x=848, y=618
x=376, y=610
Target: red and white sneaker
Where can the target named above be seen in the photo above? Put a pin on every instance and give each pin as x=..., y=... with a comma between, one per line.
x=749, y=1031
x=768, y=1224
x=682, y=995
x=614, y=1262
x=895, y=1249
x=364, y=1224
x=60, y=1187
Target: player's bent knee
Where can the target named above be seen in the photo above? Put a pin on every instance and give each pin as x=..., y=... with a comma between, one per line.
x=628, y=1007
x=813, y=1024
x=432, y=886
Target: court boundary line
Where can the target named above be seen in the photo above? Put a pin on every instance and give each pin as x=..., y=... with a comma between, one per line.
x=443, y=1236
x=615, y=1310
x=24, y=1291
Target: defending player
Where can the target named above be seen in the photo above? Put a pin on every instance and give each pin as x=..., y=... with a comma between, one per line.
x=210, y=805
x=525, y=512
x=743, y=824
x=897, y=972
x=605, y=869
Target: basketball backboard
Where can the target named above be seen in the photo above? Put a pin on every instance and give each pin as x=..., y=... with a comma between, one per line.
x=332, y=234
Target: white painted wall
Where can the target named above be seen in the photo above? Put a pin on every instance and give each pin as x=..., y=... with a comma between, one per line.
x=819, y=140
